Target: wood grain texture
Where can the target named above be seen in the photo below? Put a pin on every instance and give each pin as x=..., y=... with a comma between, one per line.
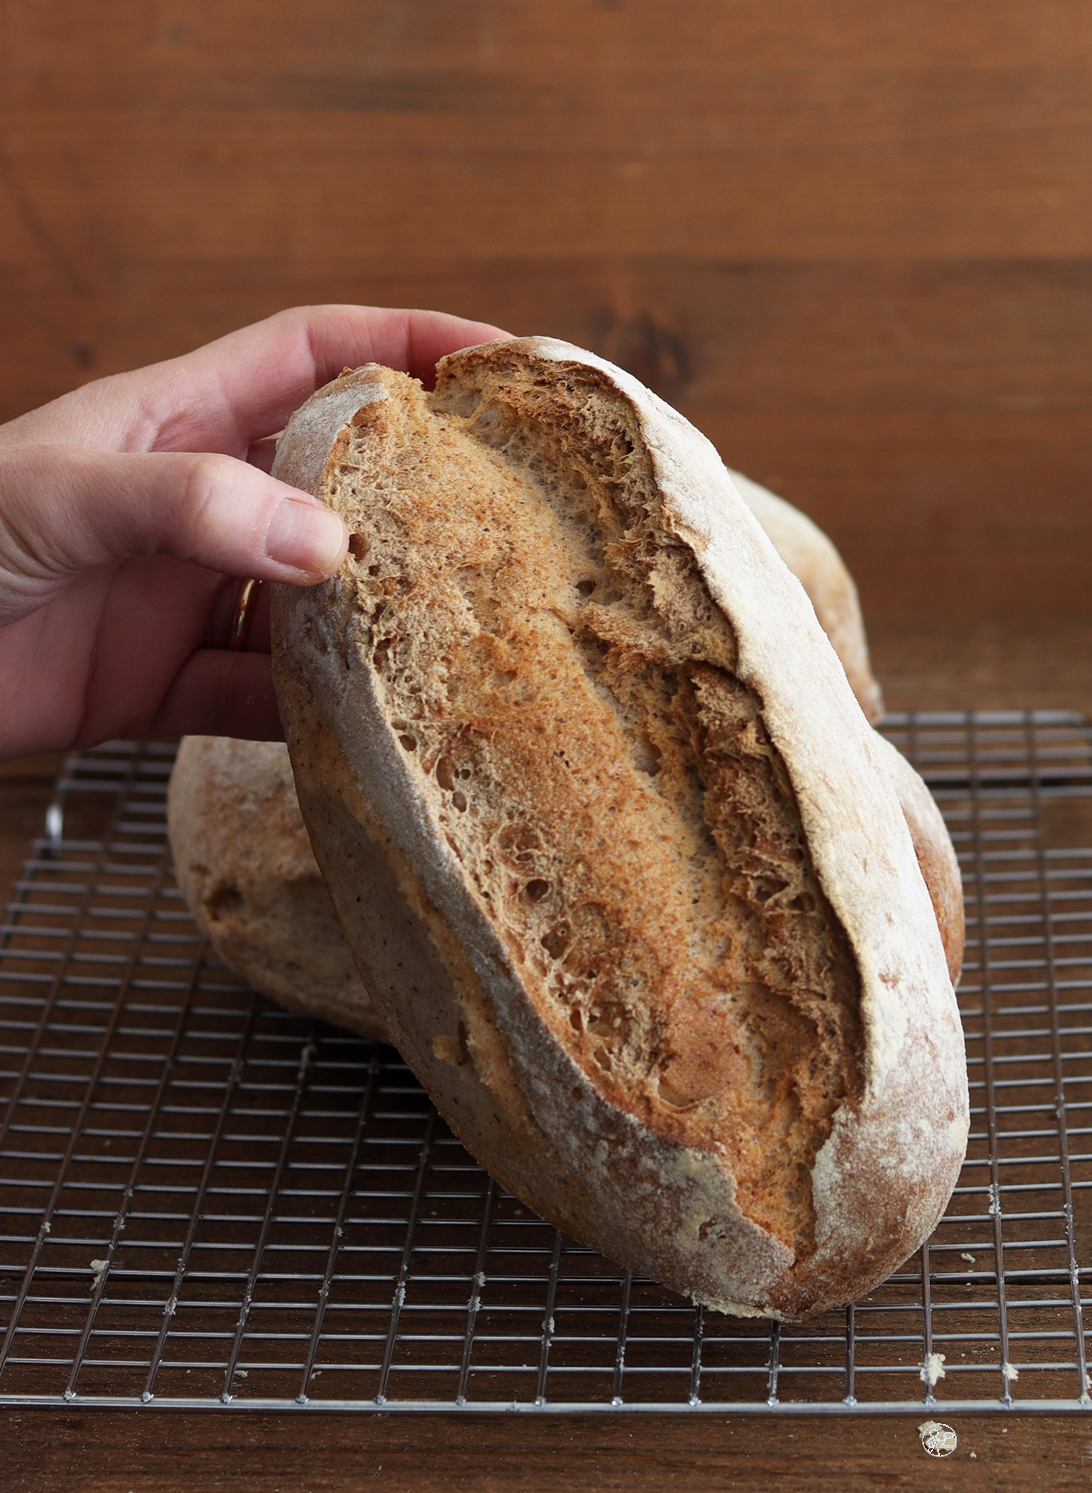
x=53, y=1452
x=852, y=242
x=1029, y=663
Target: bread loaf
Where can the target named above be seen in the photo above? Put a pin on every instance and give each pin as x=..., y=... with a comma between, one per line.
x=254, y=888
x=609, y=835
x=255, y=891
x=819, y=568
x=243, y=862
x=933, y=847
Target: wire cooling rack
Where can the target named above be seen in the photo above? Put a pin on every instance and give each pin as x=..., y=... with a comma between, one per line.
x=207, y=1201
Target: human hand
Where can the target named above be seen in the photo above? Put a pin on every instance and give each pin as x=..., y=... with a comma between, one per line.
x=130, y=508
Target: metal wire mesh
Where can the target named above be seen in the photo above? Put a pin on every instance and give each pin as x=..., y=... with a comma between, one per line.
x=207, y=1200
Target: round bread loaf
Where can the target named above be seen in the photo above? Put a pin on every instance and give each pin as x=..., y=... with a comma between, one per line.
x=243, y=862
x=610, y=836
x=933, y=847
x=819, y=568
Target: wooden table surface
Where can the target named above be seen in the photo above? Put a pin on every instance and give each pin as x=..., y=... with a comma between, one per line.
x=113, y=1453
x=853, y=242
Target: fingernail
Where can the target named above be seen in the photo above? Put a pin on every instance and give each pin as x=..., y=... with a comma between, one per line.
x=305, y=536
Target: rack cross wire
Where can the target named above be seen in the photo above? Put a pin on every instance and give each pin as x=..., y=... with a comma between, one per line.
x=208, y=1201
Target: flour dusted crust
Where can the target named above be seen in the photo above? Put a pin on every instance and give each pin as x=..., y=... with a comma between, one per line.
x=821, y=571
x=243, y=863
x=935, y=852
x=643, y=912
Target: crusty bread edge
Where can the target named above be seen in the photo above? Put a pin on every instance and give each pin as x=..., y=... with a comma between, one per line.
x=814, y=560
x=935, y=851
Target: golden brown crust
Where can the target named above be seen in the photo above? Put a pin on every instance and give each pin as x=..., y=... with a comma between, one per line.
x=243, y=862
x=935, y=852
x=703, y=837
x=260, y=898
x=567, y=710
x=821, y=571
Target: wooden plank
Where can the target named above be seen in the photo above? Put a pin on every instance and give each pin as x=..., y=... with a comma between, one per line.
x=173, y=41
x=936, y=420
x=163, y=1452
x=853, y=244
x=1029, y=663
x=826, y=131
x=547, y=172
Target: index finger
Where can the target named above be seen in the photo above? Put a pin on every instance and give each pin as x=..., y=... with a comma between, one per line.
x=232, y=392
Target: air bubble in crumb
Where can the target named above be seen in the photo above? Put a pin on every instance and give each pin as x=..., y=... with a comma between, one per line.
x=932, y=1370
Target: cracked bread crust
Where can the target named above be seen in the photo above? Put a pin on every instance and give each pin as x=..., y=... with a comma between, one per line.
x=651, y=929
x=244, y=864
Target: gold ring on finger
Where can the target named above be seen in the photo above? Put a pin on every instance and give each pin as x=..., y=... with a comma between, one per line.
x=243, y=615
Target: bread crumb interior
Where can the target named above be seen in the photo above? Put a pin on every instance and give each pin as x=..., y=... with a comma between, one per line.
x=563, y=687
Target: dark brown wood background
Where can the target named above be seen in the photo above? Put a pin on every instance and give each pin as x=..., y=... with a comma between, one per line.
x=851, y=240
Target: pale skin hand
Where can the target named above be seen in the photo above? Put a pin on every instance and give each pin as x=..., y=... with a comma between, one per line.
x=130, y=509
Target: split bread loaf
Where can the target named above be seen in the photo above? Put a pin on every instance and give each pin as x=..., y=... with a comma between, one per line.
x=243, y=862
x=609, y=836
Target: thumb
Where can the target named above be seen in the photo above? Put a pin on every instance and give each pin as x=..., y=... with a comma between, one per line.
x=64, y=510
